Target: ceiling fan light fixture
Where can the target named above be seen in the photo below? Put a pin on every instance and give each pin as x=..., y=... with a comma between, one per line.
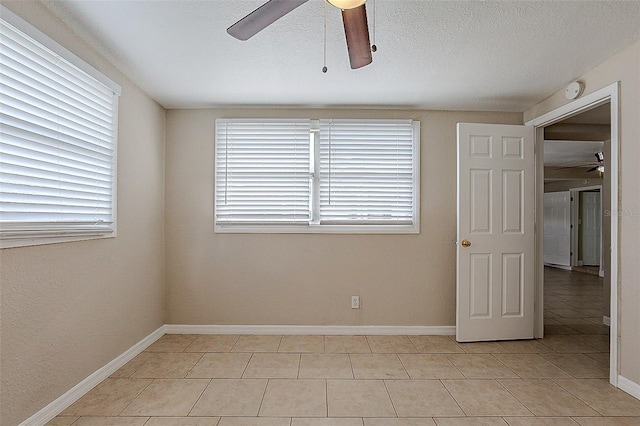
x=347, y=4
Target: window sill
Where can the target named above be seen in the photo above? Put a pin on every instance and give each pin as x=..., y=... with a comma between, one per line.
x=317, y=229
x=40, y=241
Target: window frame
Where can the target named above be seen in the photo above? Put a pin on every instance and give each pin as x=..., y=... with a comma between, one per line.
x=314, y=226
x=41, y=237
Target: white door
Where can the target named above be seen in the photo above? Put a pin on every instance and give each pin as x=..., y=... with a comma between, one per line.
x=557, y=228
x=590, y=217
x=496, y=241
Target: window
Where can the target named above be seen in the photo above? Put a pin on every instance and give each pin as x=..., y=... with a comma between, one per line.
x=57, y=144
x=351, y=176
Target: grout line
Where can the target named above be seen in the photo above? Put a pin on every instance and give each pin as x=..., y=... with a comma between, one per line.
x=515, y=397
x=136, y=397
x=326, y=396
x=452, y=397
x=263, y=396
x=384, y=382
x=199, y=396
x=246, y=365
x=192, y=367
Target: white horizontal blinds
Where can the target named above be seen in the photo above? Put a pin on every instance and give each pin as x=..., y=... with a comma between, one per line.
x=262, y=171
x=57, y=143
x=366, y=172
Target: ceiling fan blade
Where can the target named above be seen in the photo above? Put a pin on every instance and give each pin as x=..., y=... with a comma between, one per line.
x=357, y=32
x=262, y=17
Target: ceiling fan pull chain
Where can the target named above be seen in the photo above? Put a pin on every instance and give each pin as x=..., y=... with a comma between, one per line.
x=324, y=41
x=374, y=48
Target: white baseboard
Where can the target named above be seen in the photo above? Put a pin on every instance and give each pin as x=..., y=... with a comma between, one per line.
x=629, y=387
x=606, y=320
x=311, y=329
x=79, y=390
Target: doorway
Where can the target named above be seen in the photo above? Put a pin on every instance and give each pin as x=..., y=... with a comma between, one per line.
x=606, y=98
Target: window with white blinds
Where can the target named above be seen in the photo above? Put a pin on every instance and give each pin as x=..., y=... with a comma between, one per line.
x=367, y=172
x=57, y=145
x=262, y=171
x=341, y=176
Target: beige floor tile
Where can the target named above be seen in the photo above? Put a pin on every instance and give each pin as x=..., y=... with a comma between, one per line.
x=598, y=341
x=273, y=366
x=326, y=422
x=346, y=345
x=422, y=398
x=574, y=321
x=608, y=421
x=301, y=344
x=111, y=421
x=484, y=398
x=531, y=366
x=429, y=366
x=435, y=344
x=484, y=348
x=566, y=344
x=220, y=366
x=132, y=366
x=294, y=398
x=525, y=347
x=545, y=398
x=325, y=366
x=62, y=421
x=602, y=397
x=567, y=313
x=601, y=357
x=551, y=329
x=167, y=366
x=109, y=398
x=213, y=343
x=358, y=398
x=231, y=397
x=391, y=344
x=172, y=343
x=183, y=421
x=167, y=397
x=470, y=421
x=399, y=422
x=591, y=328
x=578, y=365
x=254, y=421
x=480, y=366
x=377, y=366
x=540, y=421
x=250, y=343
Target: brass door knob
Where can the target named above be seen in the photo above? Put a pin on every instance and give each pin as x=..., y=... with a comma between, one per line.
x=466, y=243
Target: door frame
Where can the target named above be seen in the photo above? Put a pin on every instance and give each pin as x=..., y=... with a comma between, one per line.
x=610, y=94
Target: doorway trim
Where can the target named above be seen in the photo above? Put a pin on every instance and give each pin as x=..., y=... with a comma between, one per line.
x=606, y=94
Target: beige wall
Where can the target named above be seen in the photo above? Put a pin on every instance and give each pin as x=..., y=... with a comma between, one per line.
x=69, y=309
x=308, y=279
x=625, y=68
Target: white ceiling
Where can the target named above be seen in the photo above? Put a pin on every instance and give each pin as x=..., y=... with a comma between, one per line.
x=571, y=153
x=504, y=55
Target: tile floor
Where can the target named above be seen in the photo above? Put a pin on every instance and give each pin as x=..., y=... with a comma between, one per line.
x=225, y=380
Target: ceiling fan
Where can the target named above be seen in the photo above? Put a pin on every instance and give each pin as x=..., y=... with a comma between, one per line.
x=600, y=165
x=354, y=17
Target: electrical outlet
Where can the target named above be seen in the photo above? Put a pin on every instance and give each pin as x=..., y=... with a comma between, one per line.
x=355, y=302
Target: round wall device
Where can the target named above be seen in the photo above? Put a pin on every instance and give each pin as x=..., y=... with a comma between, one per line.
x=573, y=90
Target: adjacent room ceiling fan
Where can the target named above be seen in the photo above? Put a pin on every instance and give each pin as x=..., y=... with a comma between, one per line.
x=354, y=17
x=599, y=166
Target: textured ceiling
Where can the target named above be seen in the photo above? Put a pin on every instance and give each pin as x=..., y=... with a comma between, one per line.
x=504, y=55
